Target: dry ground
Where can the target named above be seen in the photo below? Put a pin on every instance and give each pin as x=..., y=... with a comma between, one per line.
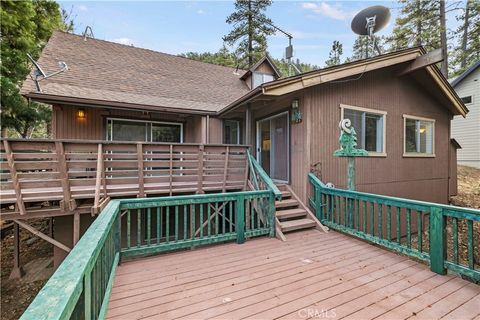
x=17, y=295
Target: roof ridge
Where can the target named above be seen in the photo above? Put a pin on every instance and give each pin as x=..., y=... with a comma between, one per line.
x=149, y=50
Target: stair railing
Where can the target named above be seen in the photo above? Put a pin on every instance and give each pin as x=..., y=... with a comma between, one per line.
x=259, y=180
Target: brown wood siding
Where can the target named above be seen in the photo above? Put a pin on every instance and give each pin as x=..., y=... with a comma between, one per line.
x=265, y=68
x=216, y=130
x=65, y=124
x=316, y=138
x=415, y=178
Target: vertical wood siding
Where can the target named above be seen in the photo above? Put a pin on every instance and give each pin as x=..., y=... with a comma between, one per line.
x=93, y=127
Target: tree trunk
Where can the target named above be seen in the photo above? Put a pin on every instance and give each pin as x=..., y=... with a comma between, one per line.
x=250, y=34
x=466, y=24
x=418, y=36
x=443, y=39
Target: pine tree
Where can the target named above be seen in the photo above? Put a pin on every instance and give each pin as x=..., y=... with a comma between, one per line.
x=417, y=25
x=364, y=47
x=25, y=28
x=251, y=28
x=467, y=50
x=334, y=58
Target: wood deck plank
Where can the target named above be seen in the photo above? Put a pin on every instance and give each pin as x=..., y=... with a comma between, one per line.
x=266, y=279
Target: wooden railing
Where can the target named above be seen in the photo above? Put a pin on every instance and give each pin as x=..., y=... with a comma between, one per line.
x=434, y=233
x=80, y=288
x=71, y=171
x=258, y=179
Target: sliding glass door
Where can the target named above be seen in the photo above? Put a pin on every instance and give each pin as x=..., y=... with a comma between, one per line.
x=273, y=150
x=144, y=131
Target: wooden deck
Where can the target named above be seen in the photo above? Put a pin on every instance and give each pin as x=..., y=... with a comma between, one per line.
x=312, y=275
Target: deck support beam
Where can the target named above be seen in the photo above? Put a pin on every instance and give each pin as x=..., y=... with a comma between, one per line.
x=17, y=271
x=43, y=236
x=76, y=228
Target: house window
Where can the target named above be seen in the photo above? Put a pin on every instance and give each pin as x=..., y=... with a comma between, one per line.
x=231, y=131
x=144, y=131
x=419, y=136
x=370, y=128
x=467, y=99
x=259, y=78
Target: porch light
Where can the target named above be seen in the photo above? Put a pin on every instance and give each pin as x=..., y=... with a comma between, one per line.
x=81, y=114
x=296, y=114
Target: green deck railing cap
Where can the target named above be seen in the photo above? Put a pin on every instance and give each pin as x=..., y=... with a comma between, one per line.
x=57, y=299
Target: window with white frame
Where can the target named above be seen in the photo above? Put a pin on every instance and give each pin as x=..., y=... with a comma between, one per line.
x=259, y=78
x=369, y=125
x=419, y=138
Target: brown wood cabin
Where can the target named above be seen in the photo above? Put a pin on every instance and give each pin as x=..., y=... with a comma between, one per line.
x=400, y=106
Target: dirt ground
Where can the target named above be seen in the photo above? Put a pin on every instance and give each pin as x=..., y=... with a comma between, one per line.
x=16, y=295
x=468, y=188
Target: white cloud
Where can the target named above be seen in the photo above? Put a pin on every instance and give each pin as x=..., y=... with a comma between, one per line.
x=200, y=11
x=82, y=8
x=125, y=41
x=328, y=10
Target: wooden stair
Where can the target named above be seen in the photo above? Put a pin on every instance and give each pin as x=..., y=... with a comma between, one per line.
x=292, y=214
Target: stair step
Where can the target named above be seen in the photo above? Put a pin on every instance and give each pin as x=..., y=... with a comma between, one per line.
x=290, y=213
x=286, y=194
x=286, y=203
x=296, y=224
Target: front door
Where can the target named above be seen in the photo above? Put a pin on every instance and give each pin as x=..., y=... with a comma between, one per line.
x=273, y=150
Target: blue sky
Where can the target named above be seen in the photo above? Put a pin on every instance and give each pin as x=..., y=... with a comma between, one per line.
x=180, y=26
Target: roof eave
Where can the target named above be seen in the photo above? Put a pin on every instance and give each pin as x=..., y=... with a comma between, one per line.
x=55, y=99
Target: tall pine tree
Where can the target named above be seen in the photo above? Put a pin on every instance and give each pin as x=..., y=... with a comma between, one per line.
x=467, y=49
x=251, y=28
x=417, y=25
x=334, y=58
x=364, y=47
x=25, y=28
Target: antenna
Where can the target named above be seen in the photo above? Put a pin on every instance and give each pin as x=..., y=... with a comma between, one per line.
x=88, y=33
x=369, y=21
x=39, y=74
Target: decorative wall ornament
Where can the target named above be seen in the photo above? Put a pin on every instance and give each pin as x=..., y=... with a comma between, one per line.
x=348, y=144
x=296, y=114
x=348, y=141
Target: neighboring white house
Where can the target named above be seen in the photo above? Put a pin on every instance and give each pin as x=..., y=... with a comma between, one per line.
x=467, y=130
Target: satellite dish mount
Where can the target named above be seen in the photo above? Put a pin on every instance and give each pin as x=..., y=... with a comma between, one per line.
x=369, y=21
x=39, y=74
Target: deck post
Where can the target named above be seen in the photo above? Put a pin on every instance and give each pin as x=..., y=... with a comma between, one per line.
x=437, y=241
x=17, y=271
x=201, y=149
x=76, y=228
x=240, y=219
x=271, y=214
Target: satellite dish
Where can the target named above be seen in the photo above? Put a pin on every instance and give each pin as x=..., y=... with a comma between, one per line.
x=370, y=20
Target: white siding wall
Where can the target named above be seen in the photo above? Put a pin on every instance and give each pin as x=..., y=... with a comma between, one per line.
x=467, y=130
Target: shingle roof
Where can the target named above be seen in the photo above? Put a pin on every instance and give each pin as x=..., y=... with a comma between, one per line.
x=105, y=71
x=459, y=79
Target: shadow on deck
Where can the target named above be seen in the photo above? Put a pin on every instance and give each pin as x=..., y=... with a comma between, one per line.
x=313, y=275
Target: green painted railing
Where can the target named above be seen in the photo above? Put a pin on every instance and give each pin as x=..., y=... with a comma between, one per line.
x=162, y=224
x=432, y=232
x=80, y=288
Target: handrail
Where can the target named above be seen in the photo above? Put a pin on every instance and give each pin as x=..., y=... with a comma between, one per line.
x=390, y=222
x=58, y=299
x=264, y=176
x=81, y=286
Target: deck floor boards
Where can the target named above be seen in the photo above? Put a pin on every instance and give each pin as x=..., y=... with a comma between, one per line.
x=312, y=275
